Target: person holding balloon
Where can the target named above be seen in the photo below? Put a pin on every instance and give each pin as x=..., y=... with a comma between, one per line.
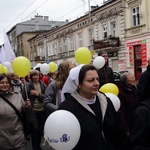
x=100, y=126
x=52, y=97
x=34, y=92
x=128, y=95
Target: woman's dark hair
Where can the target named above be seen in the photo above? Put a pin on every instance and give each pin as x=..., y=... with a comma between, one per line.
x=3, y=75
x=83, y=71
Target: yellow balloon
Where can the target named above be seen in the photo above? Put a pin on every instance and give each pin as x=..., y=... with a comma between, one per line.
x=83, y=55
x=109, y=88
x=1, y=68
x=5, y=70
x=53, y=67
x=21, y=66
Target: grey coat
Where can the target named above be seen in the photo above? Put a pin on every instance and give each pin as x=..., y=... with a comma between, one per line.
x=49, y=101
x=11, y=129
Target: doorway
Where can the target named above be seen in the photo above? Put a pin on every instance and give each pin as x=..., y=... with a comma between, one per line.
x=137, y=61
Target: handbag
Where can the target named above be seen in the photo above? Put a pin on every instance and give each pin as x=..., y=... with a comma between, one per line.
x=27, y=124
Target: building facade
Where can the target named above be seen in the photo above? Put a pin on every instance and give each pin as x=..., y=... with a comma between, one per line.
x=22, y=32
x=137, y=35
x=102, y=28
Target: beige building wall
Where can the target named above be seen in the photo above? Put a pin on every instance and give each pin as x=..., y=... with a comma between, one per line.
x=137, y=36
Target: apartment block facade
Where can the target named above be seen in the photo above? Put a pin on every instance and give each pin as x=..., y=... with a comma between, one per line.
x=102, y=28
x=120, y=27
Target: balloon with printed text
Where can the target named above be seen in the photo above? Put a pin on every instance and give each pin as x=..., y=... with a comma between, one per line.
x=62, y=130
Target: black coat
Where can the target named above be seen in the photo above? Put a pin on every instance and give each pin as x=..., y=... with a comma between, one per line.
x=30, y=87
x=106, y=134
x=140, y=133
x=105, y=75
x=143, y=81
x=129, y=100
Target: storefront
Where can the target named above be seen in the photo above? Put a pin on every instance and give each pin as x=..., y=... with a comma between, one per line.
x=137, y=56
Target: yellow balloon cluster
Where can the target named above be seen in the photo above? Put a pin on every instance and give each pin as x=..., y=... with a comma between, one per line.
x=21, y=66
x=83, y=55
x=109, y=88
x=53, y=67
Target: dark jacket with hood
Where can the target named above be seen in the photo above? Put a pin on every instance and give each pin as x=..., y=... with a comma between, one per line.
x=96, y=134
x=50, y=97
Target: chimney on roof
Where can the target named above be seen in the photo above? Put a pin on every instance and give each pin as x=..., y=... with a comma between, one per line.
x=94, y=7
x=46, y=18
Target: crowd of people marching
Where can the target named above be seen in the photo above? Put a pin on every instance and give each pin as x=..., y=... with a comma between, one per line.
x=76, y=89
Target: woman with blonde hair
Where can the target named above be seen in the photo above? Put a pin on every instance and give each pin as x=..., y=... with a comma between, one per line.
x=53, y=92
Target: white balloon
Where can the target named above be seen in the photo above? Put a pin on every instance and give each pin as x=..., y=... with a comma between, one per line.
x=39, y=64
x=45, y=69
x=34, y=68
x=115, y=100
x=62, y=130
x=8, y=65
x=99, y=62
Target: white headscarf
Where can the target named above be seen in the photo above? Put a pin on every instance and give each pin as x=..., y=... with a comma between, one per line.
x=72, y=82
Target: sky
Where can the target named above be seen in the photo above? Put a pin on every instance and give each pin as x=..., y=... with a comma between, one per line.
x=16, y=11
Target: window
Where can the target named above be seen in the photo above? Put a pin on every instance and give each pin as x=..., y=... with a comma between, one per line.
x=38, y=50
x=60, y=48
x=65, y=45
x=71, y=43
x=79, y=40
x=135, y=16
x=113, y=29
x=104, y=27
x=50, y=49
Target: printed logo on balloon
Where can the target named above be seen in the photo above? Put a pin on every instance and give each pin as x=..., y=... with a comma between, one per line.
x=62, y=130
